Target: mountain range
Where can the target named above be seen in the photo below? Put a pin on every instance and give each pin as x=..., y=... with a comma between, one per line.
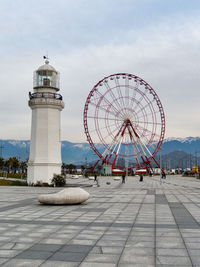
x=173, y=149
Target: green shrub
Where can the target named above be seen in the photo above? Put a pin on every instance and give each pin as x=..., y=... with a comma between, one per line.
x=11, y=183
x=13, y=175
x=58, y=180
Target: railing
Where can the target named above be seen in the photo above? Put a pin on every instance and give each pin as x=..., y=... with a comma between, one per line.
x=45, y=95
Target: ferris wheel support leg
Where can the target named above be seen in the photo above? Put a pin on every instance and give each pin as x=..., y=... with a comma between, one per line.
x=149, y=164
x=92, y=169
x=113, y=165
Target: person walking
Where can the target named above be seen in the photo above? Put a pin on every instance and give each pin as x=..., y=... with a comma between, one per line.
x=141, y=178
x=123, y=178
x=95, y=177
x=96, y=180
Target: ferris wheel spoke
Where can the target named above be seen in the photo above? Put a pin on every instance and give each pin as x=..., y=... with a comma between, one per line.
x=134, y=139
x=151, y=123
x=134, y=91
x=147, y=140
x=94, y=130
x=102, y=108
x=145, y=147
x=149, y=114
x=109, y=134
x=127, y=90
x=148, y=131
x=144, y=107
x=103, y=98
x=102, y=118
x=112, y=95
x=141, y=147
x=118, y=149
x=118, y=86
x=143, y=95
x=148, y=150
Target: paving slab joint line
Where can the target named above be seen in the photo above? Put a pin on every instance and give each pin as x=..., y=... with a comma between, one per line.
x=180, y=233
x=131, y=229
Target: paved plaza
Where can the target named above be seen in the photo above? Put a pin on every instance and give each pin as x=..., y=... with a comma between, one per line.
x=150, y=223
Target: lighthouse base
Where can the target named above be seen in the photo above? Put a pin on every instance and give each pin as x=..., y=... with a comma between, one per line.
x=42, y=173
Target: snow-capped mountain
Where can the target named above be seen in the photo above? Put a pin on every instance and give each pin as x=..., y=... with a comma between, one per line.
x=188, y=145
x=81, y=152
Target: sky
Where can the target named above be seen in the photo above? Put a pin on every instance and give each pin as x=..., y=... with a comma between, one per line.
x=87, y=40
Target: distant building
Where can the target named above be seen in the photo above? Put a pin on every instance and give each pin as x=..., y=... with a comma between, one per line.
x=106, y=169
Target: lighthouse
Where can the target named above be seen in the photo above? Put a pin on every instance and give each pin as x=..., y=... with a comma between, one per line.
x=45, y=145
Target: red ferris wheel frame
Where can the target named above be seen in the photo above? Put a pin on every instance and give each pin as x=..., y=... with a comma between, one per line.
x=145, y=140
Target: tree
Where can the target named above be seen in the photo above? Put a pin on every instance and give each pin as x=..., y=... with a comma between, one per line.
x=23, y=166
x=14, y=163
x=82, y=168
x=7, y=165
x=71, y=167
x=1, y=163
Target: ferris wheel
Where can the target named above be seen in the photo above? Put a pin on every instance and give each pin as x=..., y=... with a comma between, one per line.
x=124, y=122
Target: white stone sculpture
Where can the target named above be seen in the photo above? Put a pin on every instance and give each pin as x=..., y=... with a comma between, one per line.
x=74, y=177
x=117, y=178
x=66, y=196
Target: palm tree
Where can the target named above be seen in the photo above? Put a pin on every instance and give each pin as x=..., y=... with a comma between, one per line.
x=71, y=167
x=1, y=163
x=23, y=166
x=7, y=165
x=14, y=163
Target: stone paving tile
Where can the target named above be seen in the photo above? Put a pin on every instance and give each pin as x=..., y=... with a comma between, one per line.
x=31, y=254
x=174, y=245
x=45, y=247
x=132, y=251
x=172, y=265
x=175, y=260
x=140, y=244
x=2, y=260
x=126, y=258
x=54, y=241
x=111, y=243
x=22, y=263
x=15, y=246
x=136, y=265
x=102, y=258
x=82, y=242
x=6, y=253
x=172, y=252
x=193, y=245
x=97, y=264
x=68, y=256
x=196, y=260
x=76, y=248
x=60, y=264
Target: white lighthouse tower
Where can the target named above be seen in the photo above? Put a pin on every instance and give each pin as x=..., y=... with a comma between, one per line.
x=45, y=146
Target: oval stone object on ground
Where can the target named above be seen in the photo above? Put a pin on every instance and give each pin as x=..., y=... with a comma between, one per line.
x=65, y=196
x=74, y=176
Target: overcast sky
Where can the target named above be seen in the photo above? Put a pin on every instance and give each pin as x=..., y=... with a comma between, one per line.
x=89, y=39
